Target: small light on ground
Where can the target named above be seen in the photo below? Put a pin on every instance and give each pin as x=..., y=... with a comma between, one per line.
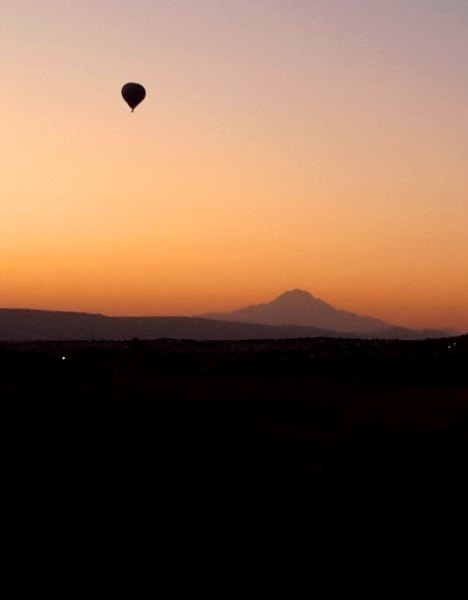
x=63, y=357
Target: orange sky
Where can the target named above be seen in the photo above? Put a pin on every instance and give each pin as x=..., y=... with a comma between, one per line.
x=282, y=144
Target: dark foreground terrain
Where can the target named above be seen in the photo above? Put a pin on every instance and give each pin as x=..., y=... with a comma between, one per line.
x=179, y=469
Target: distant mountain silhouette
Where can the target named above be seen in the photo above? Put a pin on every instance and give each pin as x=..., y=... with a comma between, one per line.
x=300, y=308
x=27, y=325
x=294, y=314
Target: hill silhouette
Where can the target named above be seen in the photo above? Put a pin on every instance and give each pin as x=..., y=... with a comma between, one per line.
x=27, y=324
x=294, y=314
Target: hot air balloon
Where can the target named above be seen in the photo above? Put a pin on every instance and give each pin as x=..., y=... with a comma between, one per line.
x=133, y=94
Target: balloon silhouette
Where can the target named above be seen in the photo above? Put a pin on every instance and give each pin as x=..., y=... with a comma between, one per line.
x=133, y=94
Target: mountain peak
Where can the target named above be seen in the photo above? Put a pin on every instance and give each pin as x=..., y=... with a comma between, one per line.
x=297, y=298
x=299, y=308
x=296, y=293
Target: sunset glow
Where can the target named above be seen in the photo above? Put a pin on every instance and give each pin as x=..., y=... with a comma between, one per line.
x=282, y=144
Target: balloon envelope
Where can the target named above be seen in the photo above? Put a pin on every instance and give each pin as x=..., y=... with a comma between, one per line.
x=133, y=94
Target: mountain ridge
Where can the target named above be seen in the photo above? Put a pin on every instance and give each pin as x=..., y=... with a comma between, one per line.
x=38, y=325
x=26, y=324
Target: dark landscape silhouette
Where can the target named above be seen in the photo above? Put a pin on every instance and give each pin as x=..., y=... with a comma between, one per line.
x=294, y=314
x=171, y=468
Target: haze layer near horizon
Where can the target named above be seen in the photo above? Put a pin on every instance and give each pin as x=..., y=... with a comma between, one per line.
x=282, y=144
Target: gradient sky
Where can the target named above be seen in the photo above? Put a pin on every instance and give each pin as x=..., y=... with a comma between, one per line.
x=319, y=144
